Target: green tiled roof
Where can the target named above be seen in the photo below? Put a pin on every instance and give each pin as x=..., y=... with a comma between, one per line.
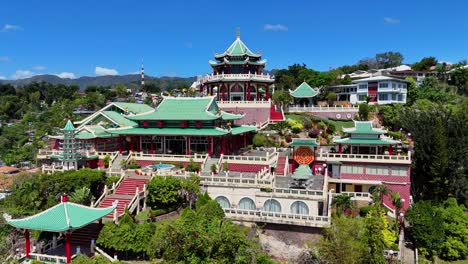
x=363, y=141
x=238, y=48
x=85, y=135
x=230, y=116
x=119, y=119
x=242, y=129
x=183, y=108
x=134, y=107
x=303, y=91
x=171, y=131
x=364, y=127
x=62, y=217
x=297, y=142
x=303, y=172
x=69, y=126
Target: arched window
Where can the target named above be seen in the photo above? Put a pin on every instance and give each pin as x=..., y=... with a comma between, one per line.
x=246, y=204
x=299, y=207
x=272, y=205
x=237, y=89
x=223, y=202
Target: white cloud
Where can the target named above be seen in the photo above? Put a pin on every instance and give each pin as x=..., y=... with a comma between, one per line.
x=21, y=74
x=100, y=71
x=68, y=75
x=277, y=27
x=391, y=20
x=4, y=59
x=2, y=78
x=9, y=27
x=39, y=68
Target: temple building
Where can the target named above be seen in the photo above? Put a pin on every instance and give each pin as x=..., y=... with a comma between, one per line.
x=365, y=159
x=237, y=75
x=178, y=126
x=303, y=95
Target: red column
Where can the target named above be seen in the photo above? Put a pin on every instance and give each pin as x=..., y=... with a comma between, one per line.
x=120, y=144
x=390, y=150
x=28, y=243
x=187, y=146
x=239, y=145
x=340, y=148
x=139, y=147
x=68, y=247
x=151, y=145
x=248, y=94
x=245, y=140
x=222, y=145
x=132, y=145
x=208, y=147
x=266, y=93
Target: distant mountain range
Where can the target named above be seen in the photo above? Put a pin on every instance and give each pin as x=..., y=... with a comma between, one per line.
x=85, y=81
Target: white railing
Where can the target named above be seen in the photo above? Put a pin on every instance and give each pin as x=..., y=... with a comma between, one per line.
x=278, y=218
x=296, y=108
x=168, y=157
x=220, y=163
x=293, y=193
x=104, y=254
x=225, y=76
x=324, y=156
x=235, y=181
x=250, y=159
x=48, y=258
x=103, y=154
x=357, y=195
x=256, y=103
x=51, y=169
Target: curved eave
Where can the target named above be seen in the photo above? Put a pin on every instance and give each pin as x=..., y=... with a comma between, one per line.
x=242, y=129
x=230, y=116
x=60, y=218
x=240, y=79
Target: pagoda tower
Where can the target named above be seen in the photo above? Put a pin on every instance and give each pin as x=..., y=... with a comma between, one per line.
x=237, y=75
x=70, y=147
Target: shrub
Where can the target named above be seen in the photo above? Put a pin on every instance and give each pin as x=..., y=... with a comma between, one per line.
x=110, y=180
x=192, y=166
x=331, y=129
x=134, y=166
x=364, y=112
x=260, y=140
x=396, y=135
x=308, y=124
x=364, y=210
x=214, y=168
x=321, y=124
x=225, y=166
x=314, y=133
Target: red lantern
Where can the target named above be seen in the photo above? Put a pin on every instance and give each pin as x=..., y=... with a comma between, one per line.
x=160, y=124
x=183, y=124
x=198, y=124
x=145, y=124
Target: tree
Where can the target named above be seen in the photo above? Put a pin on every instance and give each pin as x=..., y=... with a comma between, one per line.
x=424, y=64
x=344, y=241
x=282, y=98
x=81, y=196
x=363, y=112
x=121, y=90
x=342, y=203
x=331, y=98
x=377, y=234
x=412, y=94
x=163, y=192
x=389, y=59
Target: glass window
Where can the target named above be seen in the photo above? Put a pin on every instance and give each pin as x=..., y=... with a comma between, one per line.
x=299, y=207
x=363, y=86
x=362, y=97
x=393, y=85
x=383, y=85
x=246, y=204
x=382, y=97
x=223, y=202
x=399, y=171
x=272, y=205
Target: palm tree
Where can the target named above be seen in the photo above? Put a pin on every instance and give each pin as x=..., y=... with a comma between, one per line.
x=81, y=196
x=398, y=203
x=379, y=192
x=342, y=202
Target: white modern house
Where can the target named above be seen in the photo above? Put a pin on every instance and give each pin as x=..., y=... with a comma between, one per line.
x=378, y=89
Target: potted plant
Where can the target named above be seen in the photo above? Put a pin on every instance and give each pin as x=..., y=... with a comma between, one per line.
x=225, y=166
x=106, y=161
x=214, y=168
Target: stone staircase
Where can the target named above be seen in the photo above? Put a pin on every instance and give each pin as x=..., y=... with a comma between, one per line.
x=281, y=166
x=208, y=163
x=115, y=166
x=124, y=193
x=275, y=115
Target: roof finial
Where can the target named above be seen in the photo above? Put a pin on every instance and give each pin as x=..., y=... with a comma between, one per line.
x=238, y=32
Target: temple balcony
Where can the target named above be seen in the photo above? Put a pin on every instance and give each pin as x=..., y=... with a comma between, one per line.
x=372, y=158
x=235, y=77
x=277, y=218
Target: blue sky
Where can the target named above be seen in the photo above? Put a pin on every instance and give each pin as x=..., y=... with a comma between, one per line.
x=177, y=38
